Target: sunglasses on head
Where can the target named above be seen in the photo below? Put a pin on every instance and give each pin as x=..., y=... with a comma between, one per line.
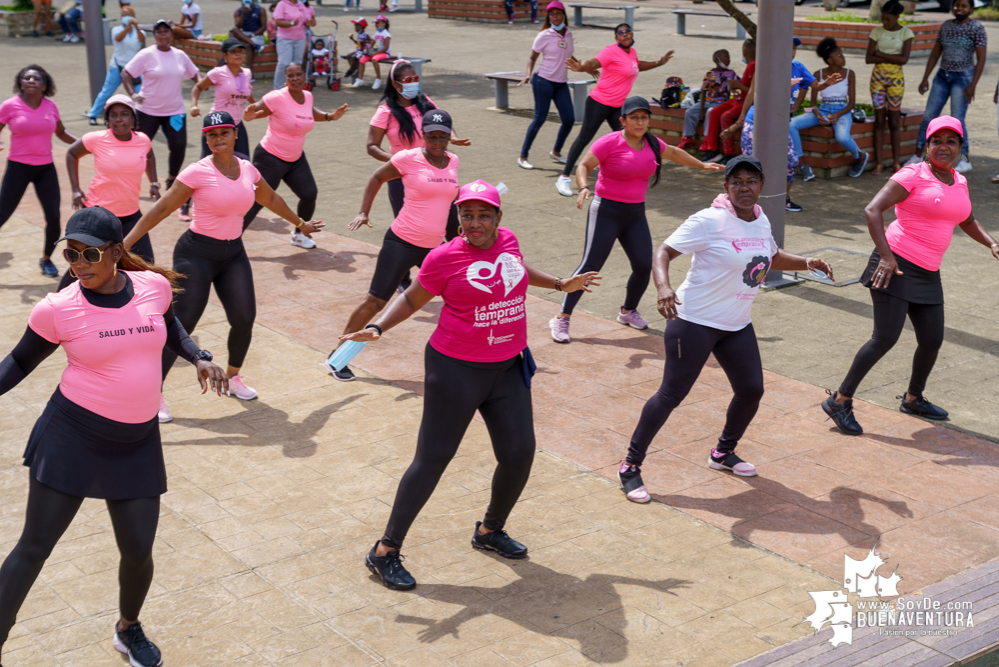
x=91, y=254
x=624, y=31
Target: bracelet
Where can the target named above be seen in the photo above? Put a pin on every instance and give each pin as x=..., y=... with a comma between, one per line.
x=375, y=327
x=326, y=116
x=558, y=284
x=300, y=223
x=994, y=245
x=808, y=263
x=583, y=187
x=155, y=184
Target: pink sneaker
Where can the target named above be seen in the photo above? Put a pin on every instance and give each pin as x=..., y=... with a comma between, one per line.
x=729, y=461
x=560, y=329
x=630, y=477
x=632, y=319
x=238, y=389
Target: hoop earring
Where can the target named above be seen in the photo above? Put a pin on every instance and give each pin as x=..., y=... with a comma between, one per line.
x=72, y=274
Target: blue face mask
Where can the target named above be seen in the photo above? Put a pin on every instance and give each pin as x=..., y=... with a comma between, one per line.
x=559, y=26
x=125, y=20
x=744, y=61
x=410, y=90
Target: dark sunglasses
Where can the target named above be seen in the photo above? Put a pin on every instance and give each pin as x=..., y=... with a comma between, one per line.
x=91, y=254
x=624, y=31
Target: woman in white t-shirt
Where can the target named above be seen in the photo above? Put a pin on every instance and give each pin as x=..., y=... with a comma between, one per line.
x=733, y=250
x=190, y=25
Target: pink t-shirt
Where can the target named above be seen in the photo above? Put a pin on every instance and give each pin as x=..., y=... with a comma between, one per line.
x=927, y=217
x=118, y=169
x=618, y=71
x=231, y=92
x=290, y=12
x=219, y=202
x=287, y=125
x=114, y=354
x=484, y=317
x=430, y=193
x=624, y=172
x=163, y=74
x=555, y=50
x=384, y=119
x=31, y=130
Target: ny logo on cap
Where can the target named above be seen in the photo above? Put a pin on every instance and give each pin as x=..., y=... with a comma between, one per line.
x=216, y=118
x=438, y=118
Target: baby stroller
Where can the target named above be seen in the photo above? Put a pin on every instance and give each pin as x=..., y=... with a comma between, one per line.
x=324, y=66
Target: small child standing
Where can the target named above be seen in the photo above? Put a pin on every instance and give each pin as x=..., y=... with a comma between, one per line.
x=714, y=91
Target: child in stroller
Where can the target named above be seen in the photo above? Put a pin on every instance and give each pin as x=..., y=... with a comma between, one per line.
x=321, y=61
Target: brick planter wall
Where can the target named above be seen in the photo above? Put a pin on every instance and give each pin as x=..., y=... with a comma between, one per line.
x=16, y=24
x=206, y=53
x=486, y=11
x=855, y=35
x=826, y=157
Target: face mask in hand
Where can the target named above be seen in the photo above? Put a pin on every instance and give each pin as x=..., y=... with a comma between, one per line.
x=125, y=20
x=559, y=26
x=410, y=90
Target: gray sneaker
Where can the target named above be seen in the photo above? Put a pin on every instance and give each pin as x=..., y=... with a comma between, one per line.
x=857, y=169
x=806, y=173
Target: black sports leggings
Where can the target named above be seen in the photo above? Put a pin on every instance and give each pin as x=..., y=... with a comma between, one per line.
x=608, y=221
x=46, y=182
x=889, y=318
x=688, y=346
x=48, y=516
x=205, y=261
x=176, y=139
x=297, y=175
x=454, y=391
x=594, y=115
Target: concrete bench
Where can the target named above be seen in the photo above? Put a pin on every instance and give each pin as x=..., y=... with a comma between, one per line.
x=416, y=62
x=501, y=81
x=682, y=14
x=578, y=7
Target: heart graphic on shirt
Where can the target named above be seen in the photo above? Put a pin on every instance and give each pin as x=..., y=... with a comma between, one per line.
x=507, y=269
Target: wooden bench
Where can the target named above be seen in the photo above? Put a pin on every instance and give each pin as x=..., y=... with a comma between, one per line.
x=578, y=7
x=205, y=53
x=682, y=14
x=501, y=81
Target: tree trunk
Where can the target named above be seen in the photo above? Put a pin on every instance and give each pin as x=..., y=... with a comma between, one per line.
x=734, y=12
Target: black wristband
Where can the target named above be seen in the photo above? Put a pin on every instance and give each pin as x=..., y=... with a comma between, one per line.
x=375, y=327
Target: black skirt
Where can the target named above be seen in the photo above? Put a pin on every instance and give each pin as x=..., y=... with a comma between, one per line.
x=81, y=453
x=915, y=285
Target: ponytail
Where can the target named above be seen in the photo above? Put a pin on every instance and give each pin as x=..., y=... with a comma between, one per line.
x=132, y=262
x=653, y=142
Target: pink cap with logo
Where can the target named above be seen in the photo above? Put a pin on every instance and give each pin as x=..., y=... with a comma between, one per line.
x=554, y=4
x=944, y=123
x=479, y=191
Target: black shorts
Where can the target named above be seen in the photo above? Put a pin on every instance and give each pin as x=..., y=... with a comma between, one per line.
x=395, y=259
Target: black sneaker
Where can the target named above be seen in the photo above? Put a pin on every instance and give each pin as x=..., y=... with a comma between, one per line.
x=806, y=173
x=922, y=408
x=842, y=414
x=344, y=374
x=791, y=206
x=49, y=269
x=140, y=651
x=92, y=121
x=499, y=542
x=404, y=285
x=389, y=568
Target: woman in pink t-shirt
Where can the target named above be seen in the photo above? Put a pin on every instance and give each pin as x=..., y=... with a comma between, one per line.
x=477, y=359
x=627, y=160
x=619, y=67
x=290, y=17
x=233, y=91
x=98, y=436
x=930, y=200
x=33, y=119
x=211, y=252
x=280, y=156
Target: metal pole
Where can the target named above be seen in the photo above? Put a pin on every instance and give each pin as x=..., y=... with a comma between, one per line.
x=93, y=35
x=775, y=29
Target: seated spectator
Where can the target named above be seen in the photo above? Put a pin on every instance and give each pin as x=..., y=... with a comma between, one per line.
x=190, y=25
x=362, y=41
x=381, y=49
x=250, y=22
x=725, y=115
x=69, y=21
x=714, y=91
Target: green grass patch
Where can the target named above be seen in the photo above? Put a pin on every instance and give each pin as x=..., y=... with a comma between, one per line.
x=987, y=14
x=847, y=17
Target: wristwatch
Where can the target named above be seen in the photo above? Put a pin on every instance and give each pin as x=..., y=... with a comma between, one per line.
x=203, y=355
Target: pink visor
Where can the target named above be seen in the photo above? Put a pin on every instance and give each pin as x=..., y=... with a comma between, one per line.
x=944, y=123
x=554, y=4
x=479, y=191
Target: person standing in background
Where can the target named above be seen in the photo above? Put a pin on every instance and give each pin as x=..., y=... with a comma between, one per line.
x=127, y=40
x=290, y=17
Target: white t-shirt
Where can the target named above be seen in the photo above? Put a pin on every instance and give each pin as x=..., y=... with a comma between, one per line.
x=320, y=53
x=379, y=40
x=190, y=10
x=731, y=259
x=126, y=49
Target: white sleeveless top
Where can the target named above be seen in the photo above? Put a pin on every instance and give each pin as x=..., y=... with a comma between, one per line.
x=838, y=92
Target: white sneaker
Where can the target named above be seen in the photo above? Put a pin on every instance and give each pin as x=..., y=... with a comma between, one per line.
x=963, y=165
x=358, y=83
x=524, y=164
x=915, y=159
x=240, y=390
x=302, y=241
x=564, y=186
x=377, y=84
x=346, y=9
x=558, y=158
x=67, y=38
x=74, y=39
x=164, y=414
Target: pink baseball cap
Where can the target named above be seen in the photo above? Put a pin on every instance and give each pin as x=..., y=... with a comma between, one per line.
x=381, y=17
x=554, y=4
x=944, y=123
x=120, y=99
x=479, y=191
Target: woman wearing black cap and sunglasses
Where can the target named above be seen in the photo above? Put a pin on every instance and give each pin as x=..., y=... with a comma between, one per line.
x=211, y=252
x=98, y=436
x=233, y=92
x=710, y=314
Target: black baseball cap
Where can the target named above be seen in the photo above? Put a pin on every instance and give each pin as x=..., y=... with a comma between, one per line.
x=634, y=103
x=162, y=22
x=232, y=43
x=217, y=119
x=95, y=226
x=437, y=119
x=745, y=161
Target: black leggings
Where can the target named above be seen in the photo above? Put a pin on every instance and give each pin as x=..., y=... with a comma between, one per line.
x=594, y=115
x=143, y=247
x=46, y=182
x=49, y=514
x=889, y=318
x=176, y=139
x=205, y=261
x=608, y=221
x=688, y=346
x=296, y=175
x=454, y=391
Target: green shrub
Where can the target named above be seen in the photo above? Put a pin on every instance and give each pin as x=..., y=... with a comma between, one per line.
x=19, y=6
x=987, y=14
x=847, y=17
